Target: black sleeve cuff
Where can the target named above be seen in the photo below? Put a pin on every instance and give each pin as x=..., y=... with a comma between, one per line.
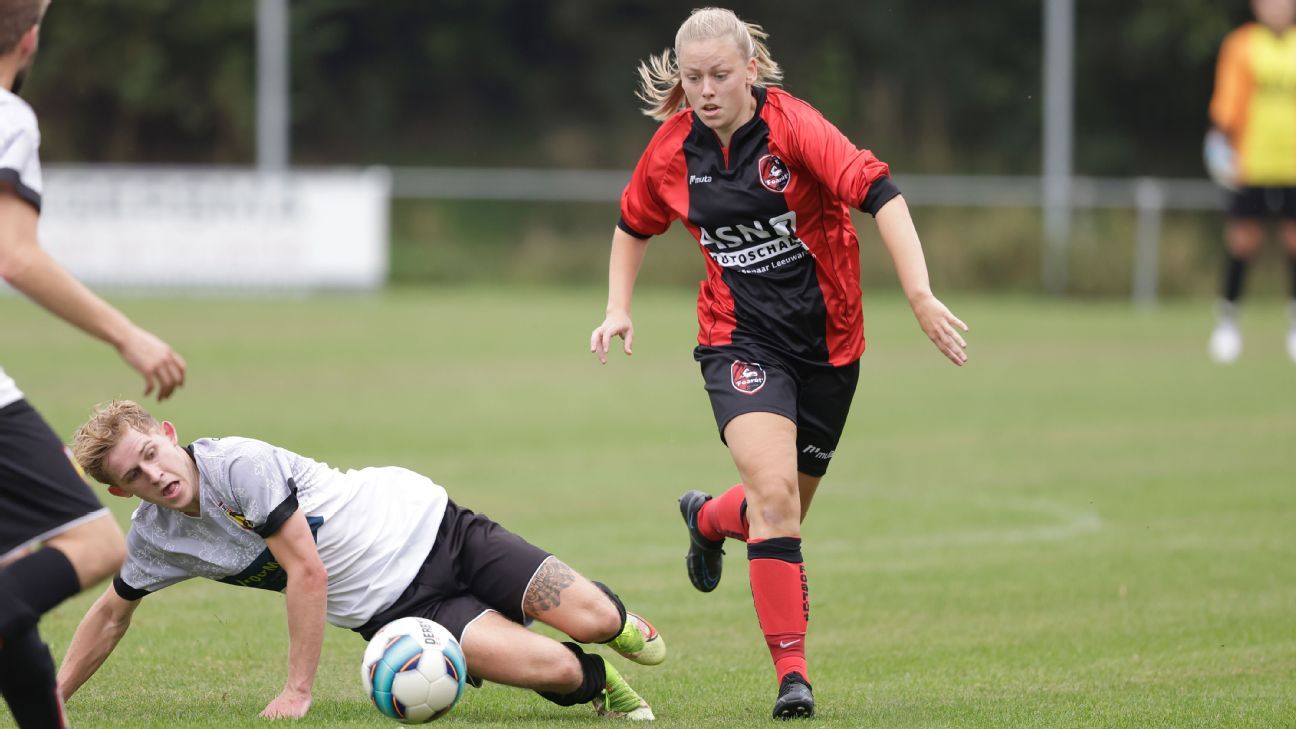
x=125, y=591
x=621, y=223
x=11, y=177
x=879, y=194
x=285, y=509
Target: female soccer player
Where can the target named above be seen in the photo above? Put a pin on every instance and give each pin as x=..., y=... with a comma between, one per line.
x=763, y=182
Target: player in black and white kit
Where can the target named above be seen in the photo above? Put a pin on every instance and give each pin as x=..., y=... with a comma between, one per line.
x=43, y=500
x=357, y=549
x=765, y=185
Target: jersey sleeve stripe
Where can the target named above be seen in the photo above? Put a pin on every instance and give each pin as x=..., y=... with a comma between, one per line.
x=623, y=225
x=11, y=177
x=280, y=514
x=879, y=194
x=126, y=592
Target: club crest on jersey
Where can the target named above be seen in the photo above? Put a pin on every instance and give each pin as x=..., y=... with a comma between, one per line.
x=237, y=517
x=747, y=377
x=773, y=173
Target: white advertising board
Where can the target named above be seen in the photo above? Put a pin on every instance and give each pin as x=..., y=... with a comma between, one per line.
x=213, y=228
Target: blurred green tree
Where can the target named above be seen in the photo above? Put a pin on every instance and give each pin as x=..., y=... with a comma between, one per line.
x=939, y=86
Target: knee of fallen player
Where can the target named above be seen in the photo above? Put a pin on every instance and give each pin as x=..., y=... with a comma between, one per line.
x=553, y=669
x=595, y=618
x=564, y=673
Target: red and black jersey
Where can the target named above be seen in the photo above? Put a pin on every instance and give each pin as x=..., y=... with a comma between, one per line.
x=771, y=215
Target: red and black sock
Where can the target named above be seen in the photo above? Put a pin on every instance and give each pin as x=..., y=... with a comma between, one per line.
x=725, y=516
x=782, y=598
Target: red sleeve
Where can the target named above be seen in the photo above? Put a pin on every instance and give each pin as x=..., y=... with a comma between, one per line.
x=643, y=212
x=820, y=148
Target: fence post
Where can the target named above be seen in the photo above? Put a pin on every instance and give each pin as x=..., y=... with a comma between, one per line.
x=273, y=115
x=1149, y=199
x=1059, y=89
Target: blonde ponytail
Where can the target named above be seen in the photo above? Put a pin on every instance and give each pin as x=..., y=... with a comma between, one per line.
x=659, y=78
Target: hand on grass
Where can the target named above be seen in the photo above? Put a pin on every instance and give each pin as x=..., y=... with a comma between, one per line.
x=289, y=704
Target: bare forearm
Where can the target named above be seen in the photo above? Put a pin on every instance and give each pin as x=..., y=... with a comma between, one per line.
x=937, y=322
x=623, y=268
x=32, y=272
x=94, y=640
x=306, y=596
x=901, y=239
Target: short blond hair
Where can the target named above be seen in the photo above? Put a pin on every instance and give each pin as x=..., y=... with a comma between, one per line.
x=659, y=76
x=104, y=430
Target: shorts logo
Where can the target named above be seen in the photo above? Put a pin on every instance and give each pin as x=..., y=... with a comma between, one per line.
x=747, y=377
x=774, y=174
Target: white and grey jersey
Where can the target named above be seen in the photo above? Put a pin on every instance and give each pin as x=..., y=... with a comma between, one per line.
x=20, y=148
x=19, y=169
x=9, y=392
x=373, y=527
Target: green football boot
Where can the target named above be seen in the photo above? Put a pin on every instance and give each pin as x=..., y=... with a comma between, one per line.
x=619, y=701
x=639, y=641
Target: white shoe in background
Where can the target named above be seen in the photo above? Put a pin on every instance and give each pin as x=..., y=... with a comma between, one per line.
x=1226, y=339
x=1291, y=331
x=1226, y=342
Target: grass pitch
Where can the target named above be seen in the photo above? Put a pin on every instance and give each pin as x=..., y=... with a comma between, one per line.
x=1090, y=525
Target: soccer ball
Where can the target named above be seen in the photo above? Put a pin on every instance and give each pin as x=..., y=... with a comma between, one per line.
x=414, y=670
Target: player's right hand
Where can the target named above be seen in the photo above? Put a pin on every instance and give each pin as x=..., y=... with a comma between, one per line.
x=617, y=324
x=288, y=705
x=162, y=367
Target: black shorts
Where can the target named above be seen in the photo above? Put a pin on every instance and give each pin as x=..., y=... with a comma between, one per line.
x=475, y=566
x=1263, y=202
x=41, y=492
x=743, y=378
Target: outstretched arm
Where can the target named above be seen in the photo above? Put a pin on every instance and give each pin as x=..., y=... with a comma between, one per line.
x=96, y=636
x=31, y=271
x=307, y=594
x=623, y=268
x=941, y=326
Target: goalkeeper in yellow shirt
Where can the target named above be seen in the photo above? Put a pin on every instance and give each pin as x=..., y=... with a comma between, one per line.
x=1254, y=107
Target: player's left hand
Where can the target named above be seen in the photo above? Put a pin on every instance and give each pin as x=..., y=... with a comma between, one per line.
x=942, y=327
x=289, y=704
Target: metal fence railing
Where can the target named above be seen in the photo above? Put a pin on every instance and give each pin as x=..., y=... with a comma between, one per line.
x=1150, y=197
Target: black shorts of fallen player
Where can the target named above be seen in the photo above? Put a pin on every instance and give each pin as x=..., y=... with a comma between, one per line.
x=475, y=566
x=746, y=378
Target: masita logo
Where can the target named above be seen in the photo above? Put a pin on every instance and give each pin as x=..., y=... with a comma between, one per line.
x=699, y=179
x=774, y=173
x=237, y=517
x=747, y=377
